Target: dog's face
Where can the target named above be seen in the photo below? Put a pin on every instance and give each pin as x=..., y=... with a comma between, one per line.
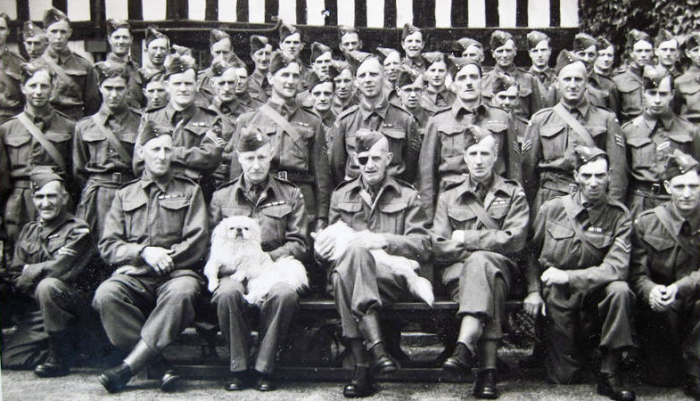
x=238, y=229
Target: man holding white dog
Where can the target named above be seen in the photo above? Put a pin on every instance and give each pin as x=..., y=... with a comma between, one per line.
x=480, y=227
x=278, y=206
x=389, y=215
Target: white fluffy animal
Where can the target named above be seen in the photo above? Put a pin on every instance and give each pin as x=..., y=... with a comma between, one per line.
x=236, y=252
x=417, y=285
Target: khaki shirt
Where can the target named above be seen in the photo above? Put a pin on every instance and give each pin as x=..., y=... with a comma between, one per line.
x=434, y=101
x=631, y=88
x=258, y=86
x=82, y=92
x=688, y=94
x=135, y=84
x=11, y=98
x=531, y=99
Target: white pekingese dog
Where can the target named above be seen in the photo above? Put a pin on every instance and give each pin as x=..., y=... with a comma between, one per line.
x=417, y=285
x=236, y=252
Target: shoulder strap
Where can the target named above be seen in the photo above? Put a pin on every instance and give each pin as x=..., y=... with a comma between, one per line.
x=482, y=215
x=281, y=121
x=112, y=139
x=663, y=216
x=569, y=207
x=39, y=137
x=59, y=71
x=574, y=124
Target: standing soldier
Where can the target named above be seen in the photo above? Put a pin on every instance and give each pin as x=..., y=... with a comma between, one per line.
x=247, y=98
x=220, y=46
x=442, y=153
x=321, y=92
x=580, y=250
x=154, y=92
x=120, y=40
x=601, y=90
x=321, y=59
x=35, y=40
x=75, y=90
x=479, y=229
x=260, y=53
x=348, y=39
x=652, y=138
x=539, y=49
x=39, y=137
x=291, y=45
x=505, y=96
x=410, y=90
x=629, y=81
x=375, y=113
x=412, y=42
x=665, y=276
x=157, y=49
x=298, y=137
x=688, y=84
x=10, y=74
x=345, y=95
x=436, y=95
x=155, y=235
x=554, y=132
x=667, y=52
x=472, y=49
x=603, y=65
x=503, y=51
x=103, y=146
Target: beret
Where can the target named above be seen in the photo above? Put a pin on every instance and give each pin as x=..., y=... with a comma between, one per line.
x=652, y=76
x=635, y=36
x=53, y=15
x=114, y=24
x=503, y=82
x=408, y=29
x=252, y=138
x=476, y=135
x=41, y=176
x=663, y=36
x=30, y=29
x=680, y=163
x=178, y=64
x=565, y=58
x=152, y=34
x=584, y=155
x=109, y=69
x=287, y=30
x=499, y=38
x=217, y=35
x=151, y=130
x=365, y=139
x=407, y=77
x=317, y=49
x=258, y=42
x=583, y=41
x=279, y=61
x=384, y=52
x=534, y=38
x=693, y=41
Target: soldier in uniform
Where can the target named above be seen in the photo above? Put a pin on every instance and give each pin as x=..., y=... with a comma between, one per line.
x=103, y=146
x=348, y=39
x=291, y=45
x=410, y=89
x=539, y=49
x=505, y=96
x=412, y=42
x=120, y=40
x=688, y=84
x=472, y=49
x=34, y=40
x=75, y=91
x=345, y=95
x=40, y=136
x=321, y=59
x=246, y=97
x=197, y=146
x=260, y=53
x=601, y=90
x=436, y=95
x=667, y=52
x=629, y=81
x=10, y=74
x=603, y=65
x=479, y=229
x=442, y=154
x=298, y=137
x=155, y=236
x=554, y=132
x=652, y=138
x=577, y=270
x=390, y=216
x=155, y=93
x=278, y=205
x=503, y=50
x=220, y=46
x=50, y=272
x=157, y=48
x=321, y=92
x=665, y=276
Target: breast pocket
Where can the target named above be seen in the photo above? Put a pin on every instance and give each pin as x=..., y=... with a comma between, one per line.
x=351, y=214
x=77, y=76
x=62, y=141
x=461, y=218
x=135, y=218
x=392, y=217
x=174, y=211
x=19, y=149
x=601, y=241
x=690, y=95
x=97, y=145
x=553, y=139
x=273, y=221
x=631, y=97
x=560, y=242
x=295, y=149
x=642, y=152
x=397, y=139
x=452, y=140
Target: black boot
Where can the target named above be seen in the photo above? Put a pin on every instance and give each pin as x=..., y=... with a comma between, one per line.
x=169, y=381
x=369, y=326
x=485, y=387
x=56, y=364
x=610, y=385
x=362, y=384
x=462, y=359
x=116, y=378
x=382, y=360
x=692, y=387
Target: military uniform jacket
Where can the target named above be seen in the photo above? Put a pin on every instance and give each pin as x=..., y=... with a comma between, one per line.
x=258, y=86
x=303, y=158
x=24, y=152
x=545, y=77
x=442, y=153
x=416, y=66
x=688, y=93
x=600, y=91
x=648, y=150
x=434, y=101
x=60, y=249
x=195, y=151
x=279, y=210
x=248, y=100
x=658, y=259
x=94, y=154
x=554, y=243
x=396, y=212
x=548, y=151
x=531, y=100
x=338, y=105
x=135, y=84
x=394, y=122
x=505, y=203
x=11, y=97
x=82, y=90
x=148, y=71
x=171, y=215
x=631, y=88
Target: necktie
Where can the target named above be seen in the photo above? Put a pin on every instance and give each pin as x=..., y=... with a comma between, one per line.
x=177, y=117
x=39, y=123
x=480, y=192
x=374, y=121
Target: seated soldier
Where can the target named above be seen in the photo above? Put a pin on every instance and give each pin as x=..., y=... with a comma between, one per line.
x=155, y=235
x=49, y=274
x=665, y=276
x=480, y=226
x=580, y=248
x=390, y=216
x=278, y=206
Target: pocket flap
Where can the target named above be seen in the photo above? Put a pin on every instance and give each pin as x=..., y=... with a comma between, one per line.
x=76, y=72
x=350, y=206
x=58, y=136
x=394, y=133
x=549, y=131
x=93, y=136
x=638, y=142
x=236, y=211
x=451, y=129
x=460, y=214
x=560, y=232
x=17, y=140
x=175, y=203
x=598, y=240
x=596, y=130
x=393, y=207
x=627, y=86
x=277, y=212
x=658, y=243
x=131, y=205
x=680, y=137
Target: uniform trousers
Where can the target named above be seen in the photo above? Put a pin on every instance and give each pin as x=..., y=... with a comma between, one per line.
x=153, y=309
x=610, y=307
x=276, y=314
x=95, y=202
x=19, y=210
